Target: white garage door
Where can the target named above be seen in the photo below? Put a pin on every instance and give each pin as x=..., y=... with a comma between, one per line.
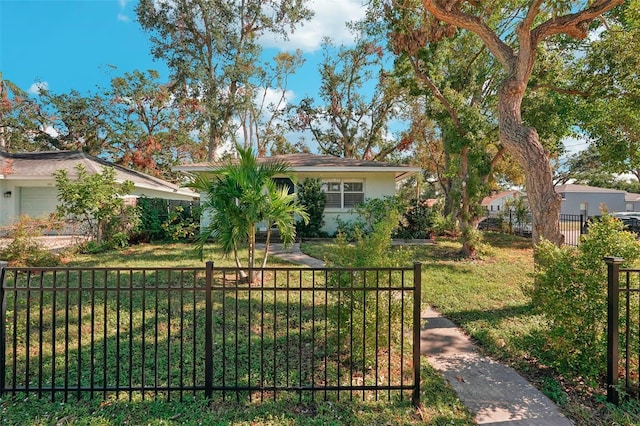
x=38, y=201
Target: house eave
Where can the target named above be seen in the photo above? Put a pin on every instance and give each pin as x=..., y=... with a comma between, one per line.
x=401, y=172
x=165, y=190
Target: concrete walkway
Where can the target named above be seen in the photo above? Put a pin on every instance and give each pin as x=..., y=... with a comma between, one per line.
x=292, y=254
x=494, y=393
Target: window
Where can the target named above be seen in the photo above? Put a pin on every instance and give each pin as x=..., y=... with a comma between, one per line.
x=343, y=194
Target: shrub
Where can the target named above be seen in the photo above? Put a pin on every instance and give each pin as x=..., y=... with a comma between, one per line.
x=96, y=201
x=162, y=220
x=418, y=220
x=24, y=249
x=369, y=214
x=347, y=313
x=313, y=199
x=571, y=290
x=445, y=225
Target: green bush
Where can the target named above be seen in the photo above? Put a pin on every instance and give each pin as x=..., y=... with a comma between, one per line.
x=418, y=220
x=162, y=220
x=370, y=213
x=357, y=311
x=570, y=288
x=313, y=199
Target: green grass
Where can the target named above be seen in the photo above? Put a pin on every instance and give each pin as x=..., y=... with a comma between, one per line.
x=440, y=404
x=488, y=298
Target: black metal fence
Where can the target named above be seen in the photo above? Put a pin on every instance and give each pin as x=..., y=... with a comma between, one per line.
x=174, y=332
x=623, y=331
x=572, y=226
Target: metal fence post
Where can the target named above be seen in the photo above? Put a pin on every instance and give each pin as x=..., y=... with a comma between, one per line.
x=613, y=317
x=417, y=300
x=208, y=341
x=3, y=325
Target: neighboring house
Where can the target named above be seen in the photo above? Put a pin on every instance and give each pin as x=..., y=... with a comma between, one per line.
x=28, y=186
x=346, y=181
x=498, y=202
x=588, y=200
x=632, y=202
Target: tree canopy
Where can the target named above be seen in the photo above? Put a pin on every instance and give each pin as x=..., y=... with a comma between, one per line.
x=213, y=50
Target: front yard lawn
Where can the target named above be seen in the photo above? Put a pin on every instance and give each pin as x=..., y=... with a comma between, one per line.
x=440, y=405
x=488, y=298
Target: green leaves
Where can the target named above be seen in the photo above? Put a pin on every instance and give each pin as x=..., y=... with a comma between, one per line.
x=92, y=199
x=242, y=194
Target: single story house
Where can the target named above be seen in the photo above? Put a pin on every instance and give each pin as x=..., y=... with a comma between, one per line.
x=346, y=181
x=28, y=186
x=499, y=201
x=587, y=200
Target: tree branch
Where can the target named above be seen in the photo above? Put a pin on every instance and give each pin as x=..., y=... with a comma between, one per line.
x=575, y=92
x=436, y=92
x=575, y=25
x=503, y=52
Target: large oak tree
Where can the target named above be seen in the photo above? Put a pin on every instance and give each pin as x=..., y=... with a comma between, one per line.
x=531, y=23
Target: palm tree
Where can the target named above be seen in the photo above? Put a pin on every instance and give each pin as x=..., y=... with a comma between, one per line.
x=242, y=194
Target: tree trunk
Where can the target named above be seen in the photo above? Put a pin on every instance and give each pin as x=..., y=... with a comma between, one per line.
x=469, y=241
x=524, y=144
x=252, y=250
x=214, y=143
x=267, y=244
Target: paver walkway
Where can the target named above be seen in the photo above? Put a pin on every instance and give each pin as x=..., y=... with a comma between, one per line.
x=494, y=393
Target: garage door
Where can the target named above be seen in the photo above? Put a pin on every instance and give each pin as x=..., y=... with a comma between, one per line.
x=37, y=202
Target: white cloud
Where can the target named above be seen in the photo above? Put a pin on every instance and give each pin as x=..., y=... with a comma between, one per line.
x=574, y=145
x=123, y=18
x=329, y=21
x=51, y=131
x=123, y=3
x=35, y=88
x=274, y=96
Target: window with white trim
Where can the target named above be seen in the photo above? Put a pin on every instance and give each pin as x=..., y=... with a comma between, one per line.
x=343, y=193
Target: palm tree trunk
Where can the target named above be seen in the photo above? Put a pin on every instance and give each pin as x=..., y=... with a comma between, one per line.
x=243, y=273
x=266, y=248
x=252, y=250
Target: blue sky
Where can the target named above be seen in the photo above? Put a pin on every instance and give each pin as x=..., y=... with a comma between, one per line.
x=82, y=44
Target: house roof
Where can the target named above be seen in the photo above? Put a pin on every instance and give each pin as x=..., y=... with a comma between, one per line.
x=317, y=163
x=486, y=201
x=630, y=197
x=584, y=188
x=43, y=165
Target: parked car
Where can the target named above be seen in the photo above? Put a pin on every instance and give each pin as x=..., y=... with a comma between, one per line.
x=631, y=222
x=524, y=229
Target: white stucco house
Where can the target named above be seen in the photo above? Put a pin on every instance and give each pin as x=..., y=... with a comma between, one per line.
x=346, y=181
x=499, y=201
x=28, y=187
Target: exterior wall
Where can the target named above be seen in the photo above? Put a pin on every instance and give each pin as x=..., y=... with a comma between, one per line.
x=10, y=208
x=633, y=206
x=376, y=185
x=498, y=205
x=571, y=202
